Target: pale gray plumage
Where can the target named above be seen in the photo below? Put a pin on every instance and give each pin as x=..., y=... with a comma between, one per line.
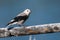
x=20, y=18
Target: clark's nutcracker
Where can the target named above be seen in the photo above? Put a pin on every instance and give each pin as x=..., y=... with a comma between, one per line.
x=20, y=18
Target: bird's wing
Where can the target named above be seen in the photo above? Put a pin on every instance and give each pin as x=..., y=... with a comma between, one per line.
x=18, y=18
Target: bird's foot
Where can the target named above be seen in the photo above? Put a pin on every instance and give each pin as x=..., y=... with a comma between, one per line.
x=23, y=25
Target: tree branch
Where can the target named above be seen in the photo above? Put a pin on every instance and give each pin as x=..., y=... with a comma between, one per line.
x=30, y=30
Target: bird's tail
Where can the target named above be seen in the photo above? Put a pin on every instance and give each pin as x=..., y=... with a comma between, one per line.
x=8, y=24
x=11, y=23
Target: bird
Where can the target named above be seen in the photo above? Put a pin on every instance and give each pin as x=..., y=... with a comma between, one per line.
x=20, y=18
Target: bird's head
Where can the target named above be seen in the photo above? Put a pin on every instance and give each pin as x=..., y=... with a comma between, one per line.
x=27, y=11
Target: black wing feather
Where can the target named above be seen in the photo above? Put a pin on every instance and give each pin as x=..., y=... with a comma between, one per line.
x=21, y=18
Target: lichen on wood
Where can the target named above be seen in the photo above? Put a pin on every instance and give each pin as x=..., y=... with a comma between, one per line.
x=30, y=30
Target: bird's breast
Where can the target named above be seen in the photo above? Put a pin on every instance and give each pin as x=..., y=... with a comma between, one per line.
x=20, y=22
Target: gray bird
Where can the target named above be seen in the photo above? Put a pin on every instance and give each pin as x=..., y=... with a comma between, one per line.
x=20, y=18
